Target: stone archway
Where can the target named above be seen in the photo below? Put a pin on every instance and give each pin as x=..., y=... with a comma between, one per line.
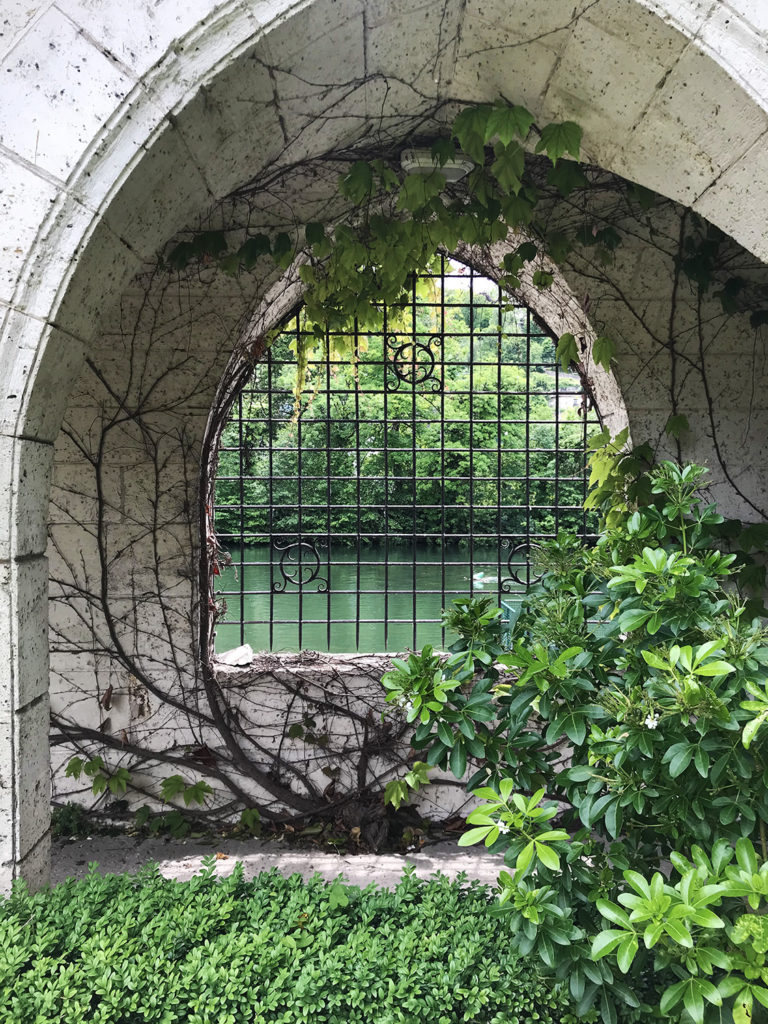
x=110, y=110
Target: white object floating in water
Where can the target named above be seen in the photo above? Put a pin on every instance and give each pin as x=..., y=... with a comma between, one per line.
x=479, y=579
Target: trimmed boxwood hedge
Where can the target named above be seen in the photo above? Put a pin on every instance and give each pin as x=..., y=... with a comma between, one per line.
x=135, y=949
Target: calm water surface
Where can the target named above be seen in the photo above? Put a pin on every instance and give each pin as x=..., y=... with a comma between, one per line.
x=407, y=586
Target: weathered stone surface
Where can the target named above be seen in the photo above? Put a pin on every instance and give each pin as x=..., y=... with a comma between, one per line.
x=120, y=126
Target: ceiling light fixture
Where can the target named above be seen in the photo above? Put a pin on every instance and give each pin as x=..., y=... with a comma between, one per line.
x=421, y=161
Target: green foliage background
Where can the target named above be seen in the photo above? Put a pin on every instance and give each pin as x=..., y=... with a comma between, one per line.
x=347, y=408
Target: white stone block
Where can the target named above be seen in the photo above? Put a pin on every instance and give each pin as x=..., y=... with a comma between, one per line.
x=140, y=212
x=16, y=18
x=22, y=504
x=29, y=648
x=231, y=126
x=608, y=96
x=138, y=34
x=501, y=54
x=754, y=12
x=25, y=201
x=735, y=200
x=412, y=46
x=54, y=359
x=699, y=123
x=62, y=90
x=33, y=775
x=94, y=262
x=739, y=44
x=35, y=866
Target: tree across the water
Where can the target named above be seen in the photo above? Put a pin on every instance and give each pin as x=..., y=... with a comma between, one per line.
x=496, y=428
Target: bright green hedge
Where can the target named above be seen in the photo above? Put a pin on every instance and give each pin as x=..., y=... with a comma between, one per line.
x=141, y=949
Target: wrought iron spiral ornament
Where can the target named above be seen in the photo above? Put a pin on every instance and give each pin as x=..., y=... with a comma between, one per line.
x=413, y=363
x=299, y=565
x=516, y=550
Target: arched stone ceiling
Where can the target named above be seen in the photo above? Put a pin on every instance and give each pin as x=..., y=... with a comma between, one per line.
x=123, y=128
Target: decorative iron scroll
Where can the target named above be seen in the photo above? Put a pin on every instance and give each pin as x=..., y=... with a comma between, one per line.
x=413, y=363
x=514, y=563
x=299, y=565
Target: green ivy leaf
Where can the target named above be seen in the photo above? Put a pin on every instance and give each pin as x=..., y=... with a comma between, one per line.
x=181, y=256
x=418, y=189
x=357, y=183
x=197, y=793
x=314, y=233
x=230, y=265
x=252, y=248
x=557, y=139
x=508, y=166
x=543, y=279
x=443, y=151
x=99, y=783
x=211, y=243
x=603, y=351
x=676, y=425
x=395, y=792
x=508, y=122
x=517, y=210
x=567, y=351
x=558, y=245
x=282, y=250
x=118, y=782
x=470, y=128
x=172, y=787
x=567, y=176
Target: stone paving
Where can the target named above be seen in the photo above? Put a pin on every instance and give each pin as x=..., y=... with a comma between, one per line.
x=181, y=859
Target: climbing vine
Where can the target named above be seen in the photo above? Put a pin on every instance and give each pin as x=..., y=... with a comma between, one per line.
x=527, y=212
x=357, y=270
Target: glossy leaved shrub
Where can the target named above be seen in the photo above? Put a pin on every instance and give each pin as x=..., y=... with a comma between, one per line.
x=272, y=951
x=615, y=733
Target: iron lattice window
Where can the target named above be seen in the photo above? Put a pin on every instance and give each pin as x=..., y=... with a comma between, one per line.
x=420, y=474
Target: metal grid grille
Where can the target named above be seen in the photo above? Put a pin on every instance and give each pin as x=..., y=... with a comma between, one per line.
x=421, y=474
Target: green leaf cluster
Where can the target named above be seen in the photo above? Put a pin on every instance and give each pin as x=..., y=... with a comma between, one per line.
x=359, y=270
x=710, y=950
x=614, y=736
x=120, y=948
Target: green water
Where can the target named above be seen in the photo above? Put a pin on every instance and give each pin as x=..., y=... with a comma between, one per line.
x=407, y=585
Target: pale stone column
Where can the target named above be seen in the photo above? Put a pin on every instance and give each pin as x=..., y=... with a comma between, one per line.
x=24, y=757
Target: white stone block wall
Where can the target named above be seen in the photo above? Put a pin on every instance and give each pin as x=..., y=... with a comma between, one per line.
x=105, y=104
x=124, y=521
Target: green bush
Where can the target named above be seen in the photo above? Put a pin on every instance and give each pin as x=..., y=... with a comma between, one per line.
x=277, y=950
x=629, y=734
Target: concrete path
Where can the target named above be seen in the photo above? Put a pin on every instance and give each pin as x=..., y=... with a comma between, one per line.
x=183, y=858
